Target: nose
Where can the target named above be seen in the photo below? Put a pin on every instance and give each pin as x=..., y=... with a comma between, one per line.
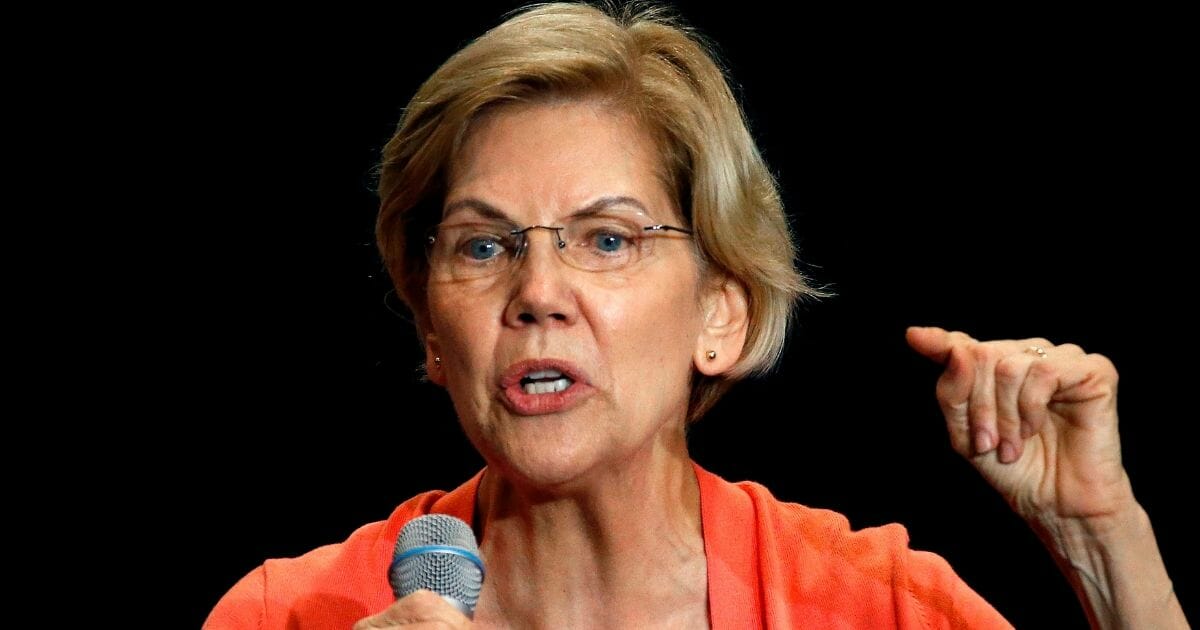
x=542, y=293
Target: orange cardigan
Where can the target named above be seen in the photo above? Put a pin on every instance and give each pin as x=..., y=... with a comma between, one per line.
x=770, y=565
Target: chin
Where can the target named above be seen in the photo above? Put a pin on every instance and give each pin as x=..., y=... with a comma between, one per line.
x=543, y=457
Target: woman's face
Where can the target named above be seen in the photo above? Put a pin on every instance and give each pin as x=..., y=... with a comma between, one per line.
x=625, y=340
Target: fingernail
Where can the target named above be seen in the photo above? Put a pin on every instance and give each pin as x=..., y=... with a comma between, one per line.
x=1008, y=452
x=983, y=442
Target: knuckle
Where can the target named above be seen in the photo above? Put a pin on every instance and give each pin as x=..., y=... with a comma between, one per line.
x=1008, y=423
x=982, y=413
x=1105, y=368
x=961, y=445
x=955, y=413
x=982, y=352
x=1028, y=407
x=945, y=387
x=1042, y=369
x=1103, y=362
x=423, y=601
x=948, y=389
x=1040, y=341
x=1073, y=348
x=1011, y=368
x=959, y=337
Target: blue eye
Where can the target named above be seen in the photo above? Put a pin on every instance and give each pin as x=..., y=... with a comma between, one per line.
x=483, y=248
x=609, y=242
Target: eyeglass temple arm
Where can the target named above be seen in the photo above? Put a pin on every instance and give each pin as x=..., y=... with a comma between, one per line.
x=661, y=228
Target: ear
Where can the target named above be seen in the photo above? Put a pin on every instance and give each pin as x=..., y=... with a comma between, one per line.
x=435, y=371
x=726, y=318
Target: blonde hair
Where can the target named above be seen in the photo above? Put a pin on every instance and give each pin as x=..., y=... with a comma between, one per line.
x=642, y=61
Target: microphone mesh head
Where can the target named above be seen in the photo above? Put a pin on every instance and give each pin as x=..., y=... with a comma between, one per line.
x=451, y=576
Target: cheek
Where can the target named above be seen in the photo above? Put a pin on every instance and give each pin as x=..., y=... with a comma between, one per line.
x=463, y=326
x=653, y=330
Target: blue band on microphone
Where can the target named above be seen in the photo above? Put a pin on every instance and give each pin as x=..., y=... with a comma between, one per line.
x=446, y=549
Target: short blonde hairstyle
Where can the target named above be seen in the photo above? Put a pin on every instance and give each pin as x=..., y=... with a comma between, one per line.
x=643, y=62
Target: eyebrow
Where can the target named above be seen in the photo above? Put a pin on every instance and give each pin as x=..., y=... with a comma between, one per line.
x=489, y=211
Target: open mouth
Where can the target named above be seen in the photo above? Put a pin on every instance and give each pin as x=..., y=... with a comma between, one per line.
x=541, y=386
x=545, y=382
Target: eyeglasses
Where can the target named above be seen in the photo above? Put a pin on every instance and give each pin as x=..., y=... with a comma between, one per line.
x=602, y=241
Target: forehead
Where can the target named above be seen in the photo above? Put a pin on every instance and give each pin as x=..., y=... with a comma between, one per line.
x=540, y=161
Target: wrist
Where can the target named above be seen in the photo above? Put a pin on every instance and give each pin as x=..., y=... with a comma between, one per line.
x=1115, y=567
x=1114, y=529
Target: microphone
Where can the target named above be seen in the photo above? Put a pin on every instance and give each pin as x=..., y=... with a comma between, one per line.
x=437, y=552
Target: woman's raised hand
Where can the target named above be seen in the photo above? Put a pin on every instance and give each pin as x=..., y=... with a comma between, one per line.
x=1038, y=420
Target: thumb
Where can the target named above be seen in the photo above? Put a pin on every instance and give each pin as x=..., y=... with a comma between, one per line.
x=930, y=341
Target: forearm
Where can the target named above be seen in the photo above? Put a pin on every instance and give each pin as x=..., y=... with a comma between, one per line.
x=1116, y=570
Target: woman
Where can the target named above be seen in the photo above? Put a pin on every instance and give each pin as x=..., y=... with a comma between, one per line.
x=594, y=252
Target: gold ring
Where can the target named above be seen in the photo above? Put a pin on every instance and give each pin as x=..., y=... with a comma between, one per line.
x=1038, y=350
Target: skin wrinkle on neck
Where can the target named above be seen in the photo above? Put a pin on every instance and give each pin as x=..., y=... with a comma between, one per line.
x=596, y=539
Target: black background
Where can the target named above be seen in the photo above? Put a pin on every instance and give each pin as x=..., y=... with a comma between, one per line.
x=1006, y=174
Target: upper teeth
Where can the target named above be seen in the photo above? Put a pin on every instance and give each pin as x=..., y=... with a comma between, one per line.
x=545, y=382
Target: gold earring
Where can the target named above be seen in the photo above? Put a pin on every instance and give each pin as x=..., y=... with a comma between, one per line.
x=712, y=354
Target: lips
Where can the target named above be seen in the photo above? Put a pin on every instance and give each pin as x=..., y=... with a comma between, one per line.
x=542, y=386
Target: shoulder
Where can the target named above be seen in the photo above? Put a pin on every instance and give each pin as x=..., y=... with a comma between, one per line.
x=332, y=585
x=332, y=579
x=795, y=539
x=799, y=532
x=816, y=569
x=826, y=534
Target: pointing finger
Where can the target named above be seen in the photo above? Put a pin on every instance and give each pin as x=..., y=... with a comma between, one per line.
x=930, y=341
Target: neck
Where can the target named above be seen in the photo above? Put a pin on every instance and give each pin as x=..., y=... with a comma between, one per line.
x=621, y=547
